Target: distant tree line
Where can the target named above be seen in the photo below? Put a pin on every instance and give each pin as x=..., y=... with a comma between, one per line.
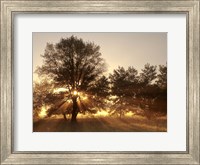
x=146, y=91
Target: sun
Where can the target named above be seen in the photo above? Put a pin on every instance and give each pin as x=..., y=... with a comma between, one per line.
x=75, y=93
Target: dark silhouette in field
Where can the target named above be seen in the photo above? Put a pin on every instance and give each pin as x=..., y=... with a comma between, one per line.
x=78, y=68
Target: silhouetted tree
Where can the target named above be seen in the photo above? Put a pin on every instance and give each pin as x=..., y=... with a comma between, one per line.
x=162, y=77
x=123, y=81
x=124, y=86
x=74, y=64
x=153, y=89
x=133, y=92
x=148, y=74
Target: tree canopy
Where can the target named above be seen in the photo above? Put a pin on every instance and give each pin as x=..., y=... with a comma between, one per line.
x=148, y=74
x=72, y=63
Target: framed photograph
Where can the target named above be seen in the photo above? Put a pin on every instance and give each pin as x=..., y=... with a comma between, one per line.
x=100, y=82
x=99, y=95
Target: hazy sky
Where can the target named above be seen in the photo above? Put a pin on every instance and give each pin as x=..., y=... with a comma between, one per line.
x=118, y=49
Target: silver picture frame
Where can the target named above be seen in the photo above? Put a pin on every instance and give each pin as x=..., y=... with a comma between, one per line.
x=189, y=7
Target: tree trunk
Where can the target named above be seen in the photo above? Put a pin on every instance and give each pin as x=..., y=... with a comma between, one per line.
x=64, y=115
x=75, y=110
x=120, y=114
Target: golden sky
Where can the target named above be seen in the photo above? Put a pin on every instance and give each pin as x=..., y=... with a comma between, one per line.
x=118, y=49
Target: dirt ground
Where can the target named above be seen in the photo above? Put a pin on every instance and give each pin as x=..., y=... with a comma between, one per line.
x=102, y=124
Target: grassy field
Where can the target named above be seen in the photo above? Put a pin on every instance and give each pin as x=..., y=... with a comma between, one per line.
x=102, y=124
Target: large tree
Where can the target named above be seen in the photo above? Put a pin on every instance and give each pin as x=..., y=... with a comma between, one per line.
x=74, y=64
x=148, y=74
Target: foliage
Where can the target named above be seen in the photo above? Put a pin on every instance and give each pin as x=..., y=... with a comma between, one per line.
x=43, y=95
x=123, y=80
x=148, y=74
x=72, y=63
x=100, y=87
x=162, y=77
